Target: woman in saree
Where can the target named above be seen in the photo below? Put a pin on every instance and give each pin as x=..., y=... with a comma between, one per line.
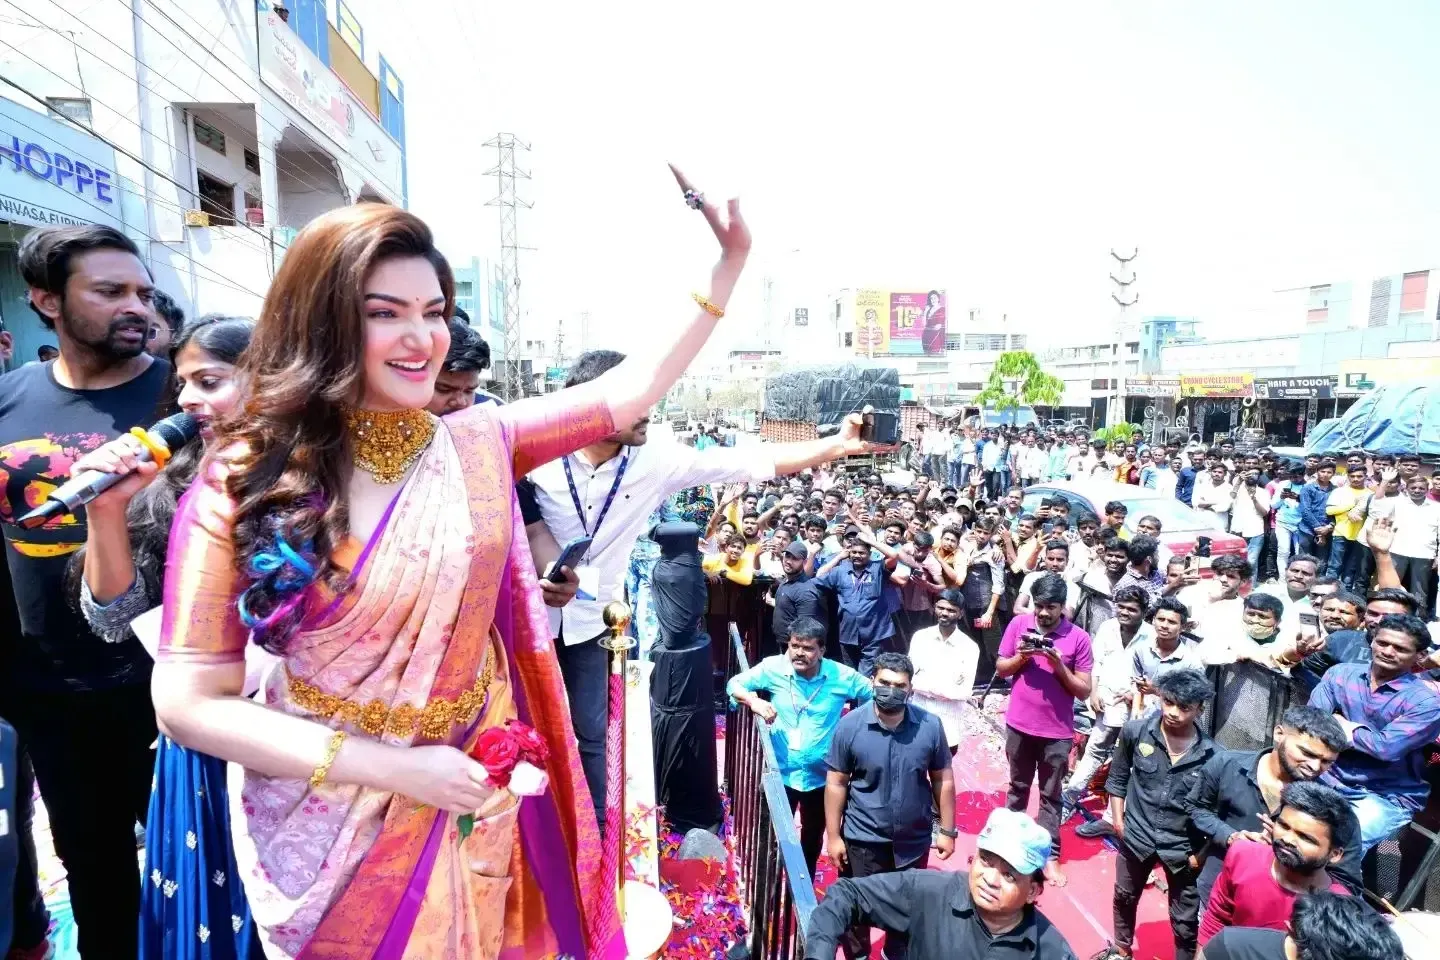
x=379, y=552
x=118, y=576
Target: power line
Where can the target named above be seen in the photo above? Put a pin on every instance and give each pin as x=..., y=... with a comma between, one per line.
x=89, y=129
x=294, y=170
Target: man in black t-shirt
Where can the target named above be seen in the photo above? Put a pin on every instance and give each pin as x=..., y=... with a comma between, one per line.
x=1322, y=925
x=80, y=705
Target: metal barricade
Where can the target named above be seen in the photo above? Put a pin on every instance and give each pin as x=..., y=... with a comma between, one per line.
x=767, y=846
x=1249, y=701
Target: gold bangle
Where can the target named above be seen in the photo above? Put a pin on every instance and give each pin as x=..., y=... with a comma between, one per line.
x=708, y=307
x=323, y=771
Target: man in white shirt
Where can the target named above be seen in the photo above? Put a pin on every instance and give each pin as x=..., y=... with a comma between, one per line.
x=945, y=661
x=1114, y=689
x=1215, y=496
x=1416, y=550
x=1034, y=463
x=1249, y=508
x=608, y=491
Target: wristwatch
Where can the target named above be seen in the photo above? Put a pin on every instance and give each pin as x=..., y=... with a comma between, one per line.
x=952, y=833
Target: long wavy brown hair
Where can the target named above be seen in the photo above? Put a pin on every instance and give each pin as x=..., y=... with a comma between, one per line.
x=289, y=451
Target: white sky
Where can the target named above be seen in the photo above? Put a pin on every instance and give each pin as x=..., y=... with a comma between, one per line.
x=993, y=151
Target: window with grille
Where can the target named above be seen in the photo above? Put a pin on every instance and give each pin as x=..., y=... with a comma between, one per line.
x=974, y=341
x=954, y=342
x=217, y=198
x=209, y=136
x=1412, y=291
x=252, y=161
x=1379, y=315
x=1017, y=341
x=995, y=341
x=72, y=108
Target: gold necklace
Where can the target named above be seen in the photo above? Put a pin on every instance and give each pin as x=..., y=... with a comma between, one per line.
x=388, y=442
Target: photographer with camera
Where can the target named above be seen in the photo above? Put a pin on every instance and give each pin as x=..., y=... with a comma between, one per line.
x=1050, y=660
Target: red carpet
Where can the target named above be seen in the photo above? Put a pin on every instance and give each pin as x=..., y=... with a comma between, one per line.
x=1080, y=909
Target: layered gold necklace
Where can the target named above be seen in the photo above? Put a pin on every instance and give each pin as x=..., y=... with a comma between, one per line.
x=387, y=442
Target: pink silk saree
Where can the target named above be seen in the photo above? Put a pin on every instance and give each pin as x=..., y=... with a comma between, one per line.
x=447, y=580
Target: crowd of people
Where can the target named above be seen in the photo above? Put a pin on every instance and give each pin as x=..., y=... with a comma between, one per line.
x=950, y=592
x=262, y=658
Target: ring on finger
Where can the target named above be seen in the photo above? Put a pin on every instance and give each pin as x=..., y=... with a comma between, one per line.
x=694, y=199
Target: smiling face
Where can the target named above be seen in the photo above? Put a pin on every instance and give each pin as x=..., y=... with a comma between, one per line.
x=406, y=334
x=209, y=388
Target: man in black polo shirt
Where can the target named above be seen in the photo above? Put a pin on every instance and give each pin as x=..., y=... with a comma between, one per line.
x=1237, y=788
x=889, y=766
x=80, y=705
x=989, y=912
x=795, y=596
x=1157, y=761
x=1323, y=926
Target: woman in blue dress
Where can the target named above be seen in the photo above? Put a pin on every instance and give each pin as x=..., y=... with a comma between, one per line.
x=193, y=905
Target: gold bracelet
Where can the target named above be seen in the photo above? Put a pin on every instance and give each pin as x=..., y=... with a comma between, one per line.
x=323, y=771
x=708, y=307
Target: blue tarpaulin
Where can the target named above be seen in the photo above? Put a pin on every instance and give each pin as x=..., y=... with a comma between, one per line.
x=1399, y=418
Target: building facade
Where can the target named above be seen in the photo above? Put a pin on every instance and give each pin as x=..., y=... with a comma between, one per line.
x=478, y=291
x=226, y=128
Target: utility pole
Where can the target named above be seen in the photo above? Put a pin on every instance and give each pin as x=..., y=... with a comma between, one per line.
x=1126, y=298
x=508, y=175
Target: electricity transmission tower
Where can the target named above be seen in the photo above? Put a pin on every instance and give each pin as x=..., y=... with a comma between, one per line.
x=1125, y=298
x=508, y=175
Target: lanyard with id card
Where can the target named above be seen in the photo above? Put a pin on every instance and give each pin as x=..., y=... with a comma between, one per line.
x=589, y=576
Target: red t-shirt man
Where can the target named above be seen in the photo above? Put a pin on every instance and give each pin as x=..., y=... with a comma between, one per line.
x=1247, y=894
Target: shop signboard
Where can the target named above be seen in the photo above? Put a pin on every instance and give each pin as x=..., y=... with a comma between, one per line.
x=1363, y=375
x=1145, y=385
x=1296, y=388
x=1217, y=385
x=314, y=91
x=53, y=175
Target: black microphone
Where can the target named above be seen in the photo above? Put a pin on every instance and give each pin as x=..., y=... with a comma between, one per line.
x=172, y=433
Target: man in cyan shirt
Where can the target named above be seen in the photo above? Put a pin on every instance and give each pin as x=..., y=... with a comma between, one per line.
x=1260, y=881
x=1050, y=661
x=808, y=695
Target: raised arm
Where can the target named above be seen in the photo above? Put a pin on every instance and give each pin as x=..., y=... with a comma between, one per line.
x=553, y=425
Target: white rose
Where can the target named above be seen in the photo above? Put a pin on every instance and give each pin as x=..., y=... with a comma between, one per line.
x=528, y=780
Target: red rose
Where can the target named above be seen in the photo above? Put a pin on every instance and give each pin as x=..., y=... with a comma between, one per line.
x=497, y=750
x=532, y=746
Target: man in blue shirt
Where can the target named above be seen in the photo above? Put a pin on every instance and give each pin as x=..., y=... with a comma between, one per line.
x=1389, y=714
x=1315, y=524
x=865, y=605
x=808, y=694
x=1185, y=480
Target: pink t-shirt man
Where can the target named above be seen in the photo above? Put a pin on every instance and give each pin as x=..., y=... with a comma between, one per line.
x=1246, y=893
x=1039, y=705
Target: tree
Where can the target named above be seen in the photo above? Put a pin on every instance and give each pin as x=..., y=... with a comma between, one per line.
x=1032, y=386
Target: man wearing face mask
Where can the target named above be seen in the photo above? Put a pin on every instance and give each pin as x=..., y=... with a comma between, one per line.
x=608, y=491
x=1260, y=881
x=889, y=766
x=1256, y=638
x=81, y=706
x=1237, y=790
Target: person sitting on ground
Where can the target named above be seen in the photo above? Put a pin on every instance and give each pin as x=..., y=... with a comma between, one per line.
x=1238, y=790
x=1258, y=885
x=808, y=696
x=1111, y=700
x=1323, y=926
x=989, y=911
x=1389, y=714
x=1156, y=759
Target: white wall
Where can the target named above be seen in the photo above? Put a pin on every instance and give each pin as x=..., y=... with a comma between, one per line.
x=307, y=188
x=229, y=166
